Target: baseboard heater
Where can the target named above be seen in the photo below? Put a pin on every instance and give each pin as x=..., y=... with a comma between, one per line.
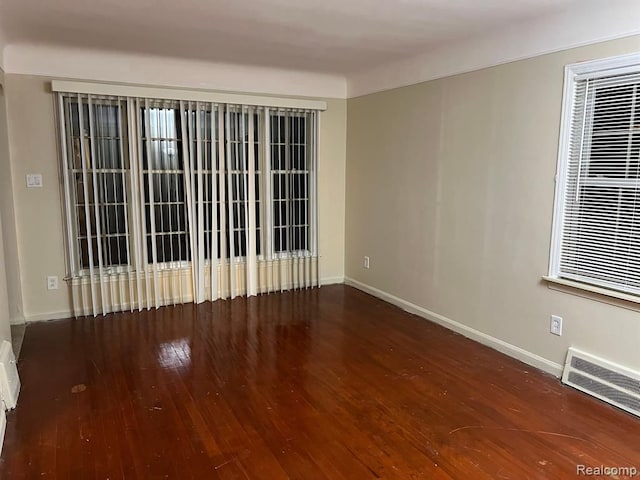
x=614, y=384
x=9, y=380
x=9, y=385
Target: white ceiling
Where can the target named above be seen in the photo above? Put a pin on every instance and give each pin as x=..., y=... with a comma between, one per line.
x=330, y=36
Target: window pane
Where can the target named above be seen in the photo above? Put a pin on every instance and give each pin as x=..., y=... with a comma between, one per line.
x=299, y=238
x=278, y=157
x=113, y=219
x=113, y=249
x=613, y=108
x=164, y=180
x=611, y=231
x=299, y=212
x=169, y=248
x=280, y=239
x=109, y=154
x=298, y=185
x=239, y=218
x=298, y=157
x=609, y=156
x=298, y=126
x=280, y=213
x=111, y=187
x=98, y=176
x=240, y=243
x=290, y=181
x=278, y=129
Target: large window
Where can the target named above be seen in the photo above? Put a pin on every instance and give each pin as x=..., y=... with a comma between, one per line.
x=597, y=214
x=157, y=182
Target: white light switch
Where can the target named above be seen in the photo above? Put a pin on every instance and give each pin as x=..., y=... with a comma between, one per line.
x=34, y=180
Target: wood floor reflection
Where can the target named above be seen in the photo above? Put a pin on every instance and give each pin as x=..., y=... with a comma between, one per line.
x=329, y=383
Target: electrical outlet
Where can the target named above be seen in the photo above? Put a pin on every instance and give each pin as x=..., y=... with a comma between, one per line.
x=365, y=263
x=52, y=283
x=556, y=325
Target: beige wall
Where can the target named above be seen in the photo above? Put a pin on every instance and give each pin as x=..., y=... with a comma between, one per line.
x=450, y=188
x=331, y=190
x=9, y=220
x=5, y=329
x=33, y=142
x=5, y=205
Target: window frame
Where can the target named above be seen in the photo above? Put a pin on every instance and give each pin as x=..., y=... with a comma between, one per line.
x=592, y=69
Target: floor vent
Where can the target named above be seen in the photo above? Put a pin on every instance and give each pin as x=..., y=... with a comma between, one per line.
x=602, y=379
x=9, y=380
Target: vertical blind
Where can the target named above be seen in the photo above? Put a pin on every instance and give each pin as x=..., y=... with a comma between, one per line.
x=600, y=240
x=170, y=201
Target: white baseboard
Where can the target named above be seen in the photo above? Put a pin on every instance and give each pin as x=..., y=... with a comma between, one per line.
x=17, y=320
x=40, y=317
x=500, y=345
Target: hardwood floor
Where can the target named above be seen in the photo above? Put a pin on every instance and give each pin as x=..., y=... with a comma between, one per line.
x=328, y=383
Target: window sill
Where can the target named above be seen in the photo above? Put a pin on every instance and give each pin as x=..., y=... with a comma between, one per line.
x=620, y=299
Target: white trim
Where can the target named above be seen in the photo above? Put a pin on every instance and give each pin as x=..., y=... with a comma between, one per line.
x=614, y=294
x=66, y=314
x=500, y=345
x=561, y=169
x=41, y=317
x=18, y=320
x=602, y=67
x=111, y=89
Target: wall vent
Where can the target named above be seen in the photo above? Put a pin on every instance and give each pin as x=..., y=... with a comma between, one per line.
x=614, y=384
x=9, y=380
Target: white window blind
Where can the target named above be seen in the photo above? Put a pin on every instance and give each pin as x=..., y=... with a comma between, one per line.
x=597, y=228
x=171, y=200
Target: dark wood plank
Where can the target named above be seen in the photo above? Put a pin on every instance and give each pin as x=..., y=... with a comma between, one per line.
x=327, y=384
